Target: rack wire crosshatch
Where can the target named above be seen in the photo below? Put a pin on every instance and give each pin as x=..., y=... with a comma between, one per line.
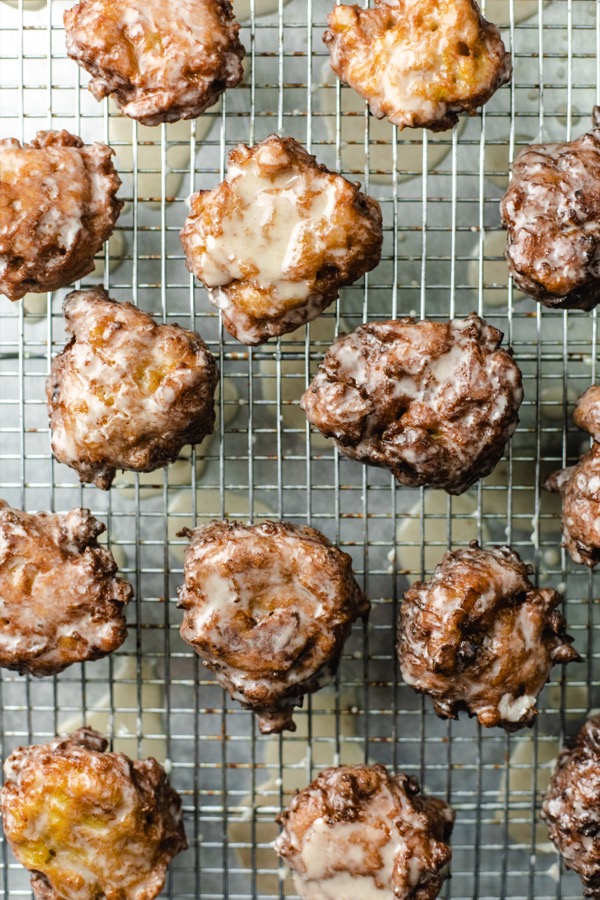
x=442, y=257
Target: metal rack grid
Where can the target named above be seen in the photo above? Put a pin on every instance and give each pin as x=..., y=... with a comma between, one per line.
x=442, y=256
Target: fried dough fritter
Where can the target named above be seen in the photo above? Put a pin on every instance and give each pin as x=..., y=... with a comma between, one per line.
x=587, y=412
x=61, y=601
x=433, y=402
x=276, y=240
x=571, y=807
x=160, y=62
x=420, y=63
x=480, y=637
x=57, y=208
x=268, y=609
x=551, y=211
x=88, y=824
x=580, y=487
x=126, y=393
x=358, y=832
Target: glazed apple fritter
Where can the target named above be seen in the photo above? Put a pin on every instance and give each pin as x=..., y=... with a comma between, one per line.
x=159, y=61
x=57, y=208
x=90, y=824
x=358, y=832
x=268, y=608
x=580, y=487
x=420, y=63
x=276, y=240
x=433, y=402
x=571, y=807
x=126, y=393
x=61, y=601
x=481, y=637
x=551, y=211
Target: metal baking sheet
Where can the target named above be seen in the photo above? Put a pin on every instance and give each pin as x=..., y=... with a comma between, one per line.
x=442, y=257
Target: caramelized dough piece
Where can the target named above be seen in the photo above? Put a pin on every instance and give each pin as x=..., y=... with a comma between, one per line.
x=571, y=807
x=435, y=403
x=159, y=61
x=551, y=211
x=57, y=208
x=276, y=240
x=126, y=393
x=60, y=599
x=418, y=62
x=580, y=488
x=587, y=412
x=357, y=832
x=268, y=608
x=480, y=637
x=88, y=824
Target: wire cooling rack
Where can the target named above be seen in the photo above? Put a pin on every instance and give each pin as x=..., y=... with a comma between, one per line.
x=442, y=257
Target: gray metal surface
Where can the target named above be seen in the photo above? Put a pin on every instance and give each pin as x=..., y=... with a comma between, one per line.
x=440, y=202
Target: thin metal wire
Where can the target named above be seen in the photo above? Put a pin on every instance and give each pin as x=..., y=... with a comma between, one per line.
x=439, y=196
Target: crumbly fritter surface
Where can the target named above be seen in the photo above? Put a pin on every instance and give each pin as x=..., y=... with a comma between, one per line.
x=480, y=637
x=57, y=207
x=571, y=807
x=159, y=61
x=268, y=608
x=90, y=825
x=126, y=393
x=276, y=240
x=358, y=832
x=61, y=601
x=580, y=487
x=551, y=211
x=420, y=63
x=433, y=402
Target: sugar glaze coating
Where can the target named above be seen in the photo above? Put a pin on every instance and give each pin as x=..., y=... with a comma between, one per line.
x=61, y=601
x=268, y=608
x=551, y=211
x=420, y=63
x=480, y=637
x=571, y=807
x=57, y=207
x=159, y=62
x=126, y=393
x=433, y=402
x=580, y=487
x=275, y=241
x=88, y=824
x=359, y=833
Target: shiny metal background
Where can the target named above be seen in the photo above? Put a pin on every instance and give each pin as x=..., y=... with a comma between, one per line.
x=442, y=257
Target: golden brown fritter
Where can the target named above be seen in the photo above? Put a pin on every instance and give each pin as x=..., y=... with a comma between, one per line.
x=587, y=412
x=357, y=832
x=580, y=487
x=552, y=213
x=435, y=403
x=57, y=208
x=419, y=62
x=60, y=599
x=268, y=608
x=571, y=807
x=88, y=824
x=480, y=637
x=159, y=61
x=276, y=240
x=126, y=393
